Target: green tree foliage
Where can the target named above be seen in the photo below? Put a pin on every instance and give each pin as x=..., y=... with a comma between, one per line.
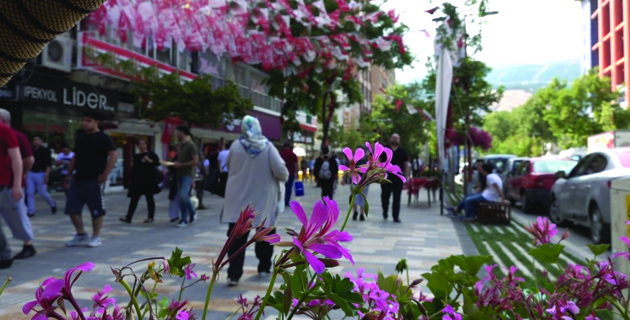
x=352, y=137
x=412, y=128
x=313, y=89
x=195, y=102
x=560, y=114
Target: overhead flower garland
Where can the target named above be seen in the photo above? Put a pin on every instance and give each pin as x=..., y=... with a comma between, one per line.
x=255, y=32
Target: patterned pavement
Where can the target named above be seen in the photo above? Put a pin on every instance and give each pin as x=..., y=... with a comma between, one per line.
x=423, y=238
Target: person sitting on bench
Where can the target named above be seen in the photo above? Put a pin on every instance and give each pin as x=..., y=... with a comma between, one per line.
x=492, y=193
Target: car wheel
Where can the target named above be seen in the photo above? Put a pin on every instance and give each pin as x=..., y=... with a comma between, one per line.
x=599, y=231
x=527, y=207
x=554, y=214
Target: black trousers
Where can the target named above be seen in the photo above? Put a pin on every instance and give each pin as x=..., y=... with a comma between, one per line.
x=386, y=191
x=200, y=189
x=327, y=187
x=133, y=204
x=264, y=253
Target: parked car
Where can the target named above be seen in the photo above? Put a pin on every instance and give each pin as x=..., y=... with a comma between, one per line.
x=582, y=196
x=499, y=161
x=510, y=169
x=533, y=179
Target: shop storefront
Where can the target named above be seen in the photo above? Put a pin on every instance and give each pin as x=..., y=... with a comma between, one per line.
x=53, y=107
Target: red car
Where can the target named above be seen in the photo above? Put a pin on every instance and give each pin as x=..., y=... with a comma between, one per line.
x=531, y=182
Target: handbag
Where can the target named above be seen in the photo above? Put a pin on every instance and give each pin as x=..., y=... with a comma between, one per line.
x=299, y=189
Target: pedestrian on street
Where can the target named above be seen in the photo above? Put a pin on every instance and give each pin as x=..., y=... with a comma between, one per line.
x=256, y=170
x=202, y=172
x=359, y=200
x=17, y=219
x=143, y=181
x=401, y=159
x=10, y=176
x=186, y=166
x=223, y=168
x=480, y=179
x=291, y=161
x=325, y=171
x=37, y=178
x=173, y=206
x=63, y=159
x=492, y=193
x=94, y=158
x=311, y=168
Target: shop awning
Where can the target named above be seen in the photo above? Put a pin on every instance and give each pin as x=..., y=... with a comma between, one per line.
x=308, y=128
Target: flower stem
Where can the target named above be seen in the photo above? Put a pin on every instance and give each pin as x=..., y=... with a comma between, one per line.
x=181, y=290
x=215, y=276
x=4, y=286
x=304, y=296
x=133, y=297
x=268, y=294
x=345, y=222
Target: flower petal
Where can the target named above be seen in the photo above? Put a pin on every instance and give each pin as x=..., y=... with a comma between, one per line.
x=53, y=289
x=329, y=251
x=87, y=266
x=317, y=265
x=29, y=306
x=274, y=238
x=390, y=155
x=358, y=155
x=297, y=243
x=340, y=236
x=334, y=210
x=348, y=152
x=299, y=212
x=625, y=240
x=343, y=168
x=318, y=218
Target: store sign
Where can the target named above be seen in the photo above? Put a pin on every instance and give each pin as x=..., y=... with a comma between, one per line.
x=300, y=137
x=8, y=92
x=69, y=93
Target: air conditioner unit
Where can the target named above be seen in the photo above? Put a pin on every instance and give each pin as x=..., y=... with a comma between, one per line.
x=58, y=54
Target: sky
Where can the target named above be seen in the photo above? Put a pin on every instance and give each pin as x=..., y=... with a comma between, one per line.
x=524, y=32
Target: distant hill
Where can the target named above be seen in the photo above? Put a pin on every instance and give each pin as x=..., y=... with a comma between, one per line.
x=530, y=77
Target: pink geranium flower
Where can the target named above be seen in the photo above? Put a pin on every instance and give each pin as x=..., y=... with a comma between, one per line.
x=387, y=166
x=353, y=171
x=623, y=254
x=543, y=230
x=101, y=299
x=316, y=235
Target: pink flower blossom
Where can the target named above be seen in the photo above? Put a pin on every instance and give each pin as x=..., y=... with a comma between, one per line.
x=183, y=315
x=101, y=300
x=543, y=230
x=189, y=271
x=353, y=171
x=450, y=314
x=623, y=254
x=316, y=234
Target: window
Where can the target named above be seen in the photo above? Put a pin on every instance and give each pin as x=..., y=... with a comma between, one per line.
x=597, y=165
x=523, y=170
x=553, y=166
x=578, y=170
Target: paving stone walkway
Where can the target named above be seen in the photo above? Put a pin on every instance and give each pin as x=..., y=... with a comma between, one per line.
x=423, y=238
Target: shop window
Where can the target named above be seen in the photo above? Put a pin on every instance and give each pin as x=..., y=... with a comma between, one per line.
x=164, y=55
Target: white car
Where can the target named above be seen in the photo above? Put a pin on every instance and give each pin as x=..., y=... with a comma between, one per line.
x=582, y=196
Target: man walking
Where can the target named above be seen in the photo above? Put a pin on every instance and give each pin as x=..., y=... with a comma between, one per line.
x=325, y=171
x=17, y=219
x=37, y=178
x=401, y=159
x=92, y=168
x=186, y=165
x=10, y=175
x=291, y=161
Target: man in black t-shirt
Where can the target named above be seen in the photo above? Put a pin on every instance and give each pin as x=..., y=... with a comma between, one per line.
x=401, y=159
x=92, y=168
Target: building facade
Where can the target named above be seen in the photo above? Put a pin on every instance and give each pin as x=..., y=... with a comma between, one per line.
x=610, y=36
x=49, y=96
x=381, y=79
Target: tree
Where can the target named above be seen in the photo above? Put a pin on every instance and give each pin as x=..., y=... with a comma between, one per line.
x=388, y=119
x=589, y=106
x=195, y=102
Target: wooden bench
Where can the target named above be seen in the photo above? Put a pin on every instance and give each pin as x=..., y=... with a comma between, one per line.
x=494, y=212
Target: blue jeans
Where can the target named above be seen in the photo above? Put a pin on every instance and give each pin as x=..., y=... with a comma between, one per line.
x=288, y=186
x=183, y=191
x=35, y=181
x=469, y=203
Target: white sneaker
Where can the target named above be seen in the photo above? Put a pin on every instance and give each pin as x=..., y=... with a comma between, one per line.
x=193, y=218
x=182, y=224
x=95, y=242
x=78, y=240
x=232, y=283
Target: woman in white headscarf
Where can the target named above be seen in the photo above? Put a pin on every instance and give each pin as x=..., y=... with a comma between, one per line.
x=255, y=172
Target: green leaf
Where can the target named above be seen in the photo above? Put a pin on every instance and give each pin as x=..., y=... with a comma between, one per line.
x=176, y=263
x=287, y=300
x=470, y=264
x=401, y=266
x=366, y=204
x=547, y=253
x=598, y=249
x=339, y=291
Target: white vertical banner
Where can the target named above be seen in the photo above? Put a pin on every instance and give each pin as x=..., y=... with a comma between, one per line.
x=442, y=95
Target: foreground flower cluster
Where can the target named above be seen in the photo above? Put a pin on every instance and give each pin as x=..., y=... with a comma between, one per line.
x=455, y=291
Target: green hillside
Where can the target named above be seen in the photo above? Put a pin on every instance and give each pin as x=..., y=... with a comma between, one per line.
x=533, y=76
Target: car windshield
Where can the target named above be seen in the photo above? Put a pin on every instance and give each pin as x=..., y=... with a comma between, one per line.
x=499, y=163
x=624, y=157
x=554, y=166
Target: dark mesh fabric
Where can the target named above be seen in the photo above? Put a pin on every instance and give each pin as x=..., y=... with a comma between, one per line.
x=26, y=26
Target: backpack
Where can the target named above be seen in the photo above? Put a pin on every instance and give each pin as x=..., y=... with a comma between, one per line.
x=324, y=171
